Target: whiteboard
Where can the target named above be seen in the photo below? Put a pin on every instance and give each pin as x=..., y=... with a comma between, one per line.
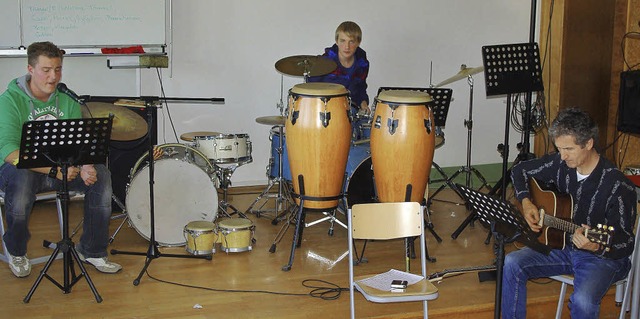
x=93, y=23
x=10, y=24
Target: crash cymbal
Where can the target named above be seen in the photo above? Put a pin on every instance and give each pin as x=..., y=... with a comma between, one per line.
x=464, y=72
x=127, y=125
x=190, y=136
x=272, y=120
x=309, y=65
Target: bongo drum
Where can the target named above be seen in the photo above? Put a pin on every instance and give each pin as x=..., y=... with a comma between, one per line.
x=318, y=137
x=201, y=237
x=235, y=234
x=402, y=144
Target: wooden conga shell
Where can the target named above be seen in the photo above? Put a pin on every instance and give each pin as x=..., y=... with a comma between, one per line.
x=318, y=149
x=402, y=155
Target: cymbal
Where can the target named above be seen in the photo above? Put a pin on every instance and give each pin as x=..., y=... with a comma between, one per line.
x=309, y=65
x=190, y=136
x=464, y=72
x=272, y=120
x=127, y=124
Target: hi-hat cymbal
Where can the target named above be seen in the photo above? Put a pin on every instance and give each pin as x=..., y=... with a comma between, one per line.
x=127, y=125
x=190, y=136
x=309, y=65
x=276, y=120
x=464, y=72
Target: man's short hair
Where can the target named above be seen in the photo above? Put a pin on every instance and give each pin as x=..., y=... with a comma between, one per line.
x=577, y=123
x=351, y=29
x=37, y=49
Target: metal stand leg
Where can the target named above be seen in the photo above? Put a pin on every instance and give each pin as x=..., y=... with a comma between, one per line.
x=121, y=215
x=282, y=198
x=67, y=248
x=331, y=217
x=225, y=181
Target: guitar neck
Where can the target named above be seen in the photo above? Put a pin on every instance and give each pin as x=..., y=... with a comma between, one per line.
x=560, y=224
x=458, y=271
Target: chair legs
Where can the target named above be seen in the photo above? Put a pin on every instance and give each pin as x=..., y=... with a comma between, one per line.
x=563, y=293
x=5, y=253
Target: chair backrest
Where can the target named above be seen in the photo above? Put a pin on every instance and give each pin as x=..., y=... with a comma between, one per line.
x=386, y=220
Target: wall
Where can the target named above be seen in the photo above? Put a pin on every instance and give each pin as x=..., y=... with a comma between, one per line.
x=228, y=49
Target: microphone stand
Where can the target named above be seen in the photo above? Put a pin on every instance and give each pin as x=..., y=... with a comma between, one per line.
x=153, y=252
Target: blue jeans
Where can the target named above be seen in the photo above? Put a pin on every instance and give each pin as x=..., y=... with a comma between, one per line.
x=21, y=186
x=593, y=276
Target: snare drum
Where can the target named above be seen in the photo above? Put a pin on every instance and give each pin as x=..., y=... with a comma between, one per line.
x=201, y=237
x=402, y=144
x=225, y=148
x=184, y=191
x=235, y=234
x=318, y=138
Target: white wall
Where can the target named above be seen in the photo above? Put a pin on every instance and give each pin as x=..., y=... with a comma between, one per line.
x=228, y=49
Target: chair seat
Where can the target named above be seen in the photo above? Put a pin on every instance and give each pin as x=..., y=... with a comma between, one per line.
x=422, y=290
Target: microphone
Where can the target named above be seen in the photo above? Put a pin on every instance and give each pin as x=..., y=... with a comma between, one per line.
x=64, y=89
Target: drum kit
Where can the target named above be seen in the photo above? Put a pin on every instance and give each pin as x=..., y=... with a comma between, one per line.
x=205, y=161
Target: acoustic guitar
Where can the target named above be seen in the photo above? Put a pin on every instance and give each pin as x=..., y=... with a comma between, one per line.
x=556, y=212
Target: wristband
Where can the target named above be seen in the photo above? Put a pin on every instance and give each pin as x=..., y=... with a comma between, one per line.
x=53, y=172
x=15, y=161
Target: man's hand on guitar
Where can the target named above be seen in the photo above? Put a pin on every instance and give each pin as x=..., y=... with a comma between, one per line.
x=531, y=214
x=582, y=242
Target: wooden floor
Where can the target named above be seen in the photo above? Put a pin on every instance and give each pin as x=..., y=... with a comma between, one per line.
x=252, y=284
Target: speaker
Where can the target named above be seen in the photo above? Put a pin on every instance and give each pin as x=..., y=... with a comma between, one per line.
x=629, y=102
x=123, y=155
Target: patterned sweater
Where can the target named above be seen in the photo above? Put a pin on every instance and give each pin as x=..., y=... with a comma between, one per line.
x=353, y=78
x=605, y=197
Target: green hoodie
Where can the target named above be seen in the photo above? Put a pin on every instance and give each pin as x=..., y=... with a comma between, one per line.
x=17, y=106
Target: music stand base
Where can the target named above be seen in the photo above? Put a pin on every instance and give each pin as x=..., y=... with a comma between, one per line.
x=70, y=255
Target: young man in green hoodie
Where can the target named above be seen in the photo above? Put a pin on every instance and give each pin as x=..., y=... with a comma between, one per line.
x=35, y=97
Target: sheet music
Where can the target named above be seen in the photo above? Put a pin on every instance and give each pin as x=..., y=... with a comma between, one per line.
x=383, y=281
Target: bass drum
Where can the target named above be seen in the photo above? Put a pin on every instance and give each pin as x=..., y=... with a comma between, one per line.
x=359, y=185
x=184, y=191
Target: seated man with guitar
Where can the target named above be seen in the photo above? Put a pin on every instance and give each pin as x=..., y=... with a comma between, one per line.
x=599, y=195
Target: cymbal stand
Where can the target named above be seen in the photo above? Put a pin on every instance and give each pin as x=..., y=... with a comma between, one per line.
x=283, y=200
x=467, y=169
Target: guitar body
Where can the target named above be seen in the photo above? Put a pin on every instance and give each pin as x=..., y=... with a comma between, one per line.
x=555, y=204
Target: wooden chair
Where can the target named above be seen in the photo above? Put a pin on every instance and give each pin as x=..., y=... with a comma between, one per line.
x=384, y=221
x=623, y=287
x=5, y=253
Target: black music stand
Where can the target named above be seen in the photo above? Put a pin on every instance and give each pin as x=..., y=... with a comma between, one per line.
x=65, y=143
x=508, y=69
x=506, y=224
x=152, y=252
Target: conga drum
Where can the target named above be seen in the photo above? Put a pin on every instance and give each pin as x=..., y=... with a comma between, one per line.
x=318, y=138
x=402, y=144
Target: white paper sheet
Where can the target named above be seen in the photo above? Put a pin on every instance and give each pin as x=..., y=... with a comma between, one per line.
x=383, y=281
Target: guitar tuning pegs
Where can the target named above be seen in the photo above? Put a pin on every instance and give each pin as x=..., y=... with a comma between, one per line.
x=599, y=226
